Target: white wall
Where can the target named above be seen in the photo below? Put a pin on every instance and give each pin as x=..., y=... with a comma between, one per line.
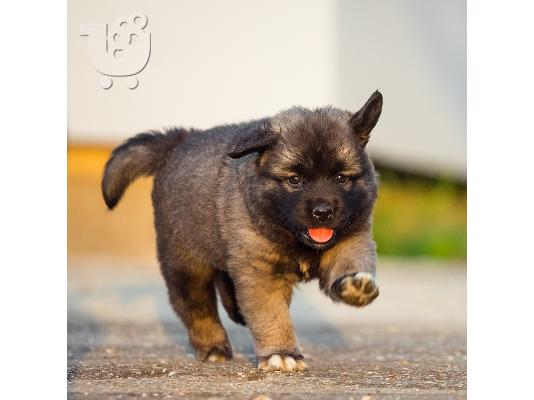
x=414, y=51
x=224, y=61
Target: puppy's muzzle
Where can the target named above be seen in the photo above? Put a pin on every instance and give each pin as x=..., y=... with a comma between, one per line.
x=323, y=212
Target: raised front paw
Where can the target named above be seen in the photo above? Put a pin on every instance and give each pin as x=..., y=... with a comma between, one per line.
x=281, y=362
x=358, y=289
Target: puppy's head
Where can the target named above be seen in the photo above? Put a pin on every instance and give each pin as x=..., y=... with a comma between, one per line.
x=313, y=175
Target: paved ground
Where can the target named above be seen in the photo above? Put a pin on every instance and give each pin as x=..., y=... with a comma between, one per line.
x=125, y=342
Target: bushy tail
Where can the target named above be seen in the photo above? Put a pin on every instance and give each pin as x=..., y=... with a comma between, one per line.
x=140, y=155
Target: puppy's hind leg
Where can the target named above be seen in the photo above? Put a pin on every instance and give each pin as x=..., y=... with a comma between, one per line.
x=192, y=295
x=226, y=290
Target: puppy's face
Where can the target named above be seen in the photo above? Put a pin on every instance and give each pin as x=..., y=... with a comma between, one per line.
x=314, y=176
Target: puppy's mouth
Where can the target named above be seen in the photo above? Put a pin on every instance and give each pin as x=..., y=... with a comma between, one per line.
x=317, y=238
x=320, y=235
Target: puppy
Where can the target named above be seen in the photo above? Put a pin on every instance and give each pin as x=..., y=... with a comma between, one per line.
x=252, y=209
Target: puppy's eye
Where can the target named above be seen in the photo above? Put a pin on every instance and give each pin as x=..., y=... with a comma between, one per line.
x=341, y=178
x=294, y=180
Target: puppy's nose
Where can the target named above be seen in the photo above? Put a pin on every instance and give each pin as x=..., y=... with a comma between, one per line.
x=323, y=212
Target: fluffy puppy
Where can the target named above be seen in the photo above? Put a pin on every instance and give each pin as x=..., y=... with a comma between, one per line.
x=252, y=209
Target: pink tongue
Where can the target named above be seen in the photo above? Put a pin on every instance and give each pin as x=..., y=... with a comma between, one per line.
x=321, y=235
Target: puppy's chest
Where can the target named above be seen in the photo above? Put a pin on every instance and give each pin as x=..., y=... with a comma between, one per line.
x=298, y=268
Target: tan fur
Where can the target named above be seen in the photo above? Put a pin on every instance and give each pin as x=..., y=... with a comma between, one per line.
x=355, y=254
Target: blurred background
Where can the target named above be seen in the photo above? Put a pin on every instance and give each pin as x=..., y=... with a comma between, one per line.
x=221, y=62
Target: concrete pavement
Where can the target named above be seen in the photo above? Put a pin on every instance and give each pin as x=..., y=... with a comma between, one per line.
x=125, y=341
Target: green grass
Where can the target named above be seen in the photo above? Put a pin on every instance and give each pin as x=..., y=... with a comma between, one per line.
x=420, y=217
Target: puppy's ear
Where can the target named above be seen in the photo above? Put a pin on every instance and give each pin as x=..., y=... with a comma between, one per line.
x=365, y=120
x=257, y=141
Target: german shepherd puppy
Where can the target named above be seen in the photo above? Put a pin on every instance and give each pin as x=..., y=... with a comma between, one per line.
x=252, y=209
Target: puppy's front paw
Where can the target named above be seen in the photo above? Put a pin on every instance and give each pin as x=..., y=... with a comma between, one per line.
x=280, y=362
x=358, y=289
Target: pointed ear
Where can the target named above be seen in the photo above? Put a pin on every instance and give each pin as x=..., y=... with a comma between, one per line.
x=254, y=142
x=365, y=120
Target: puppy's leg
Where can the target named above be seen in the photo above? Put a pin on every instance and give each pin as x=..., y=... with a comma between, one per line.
x=192, y=295
x=357, y=289
x=226, y=290
x=347, y=271
x=264, y=302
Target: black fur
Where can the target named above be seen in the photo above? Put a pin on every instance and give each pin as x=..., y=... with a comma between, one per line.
x=140, y=155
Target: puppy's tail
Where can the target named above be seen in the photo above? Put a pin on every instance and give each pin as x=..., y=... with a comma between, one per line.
x=141, y=155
